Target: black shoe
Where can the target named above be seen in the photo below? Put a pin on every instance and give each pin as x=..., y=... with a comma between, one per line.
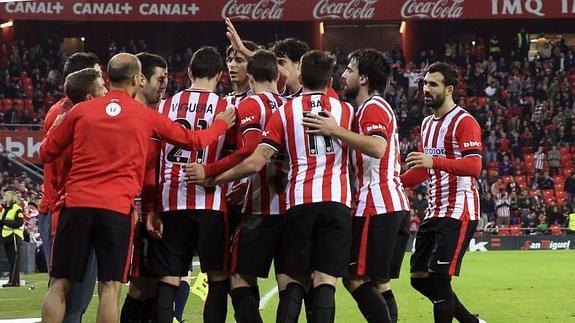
x=11, y=285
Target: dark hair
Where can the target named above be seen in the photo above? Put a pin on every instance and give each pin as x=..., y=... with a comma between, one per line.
x=372, y=63
x=291, y=48
x=150, y=62
x=122, y=72
x=78, y=61
x=263, y=66
x=249, y=45
x=80, y=83
x=449, y=73
x=316, y=69
x=206, y=63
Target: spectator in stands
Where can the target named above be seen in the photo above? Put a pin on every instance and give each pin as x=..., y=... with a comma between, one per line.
x=539, y=159
x=546, y=182
x=491, y=145
x=555, y=213
x=570, y=220
x=486, y=209
x=542, y=226
x=570, y=188
x=503, y=209
x=554, y=160
x=506, y=166
x=496, y=187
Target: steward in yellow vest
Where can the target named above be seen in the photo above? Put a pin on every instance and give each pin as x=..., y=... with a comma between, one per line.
x=11, y=222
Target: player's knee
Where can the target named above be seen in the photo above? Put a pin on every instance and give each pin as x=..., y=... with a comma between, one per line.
x=237, y=281
x=351, y=284
x=216, y=276
x=382, y=284
x=320, y=278
x=282, y=281
x=172, y=280
x=419, y=274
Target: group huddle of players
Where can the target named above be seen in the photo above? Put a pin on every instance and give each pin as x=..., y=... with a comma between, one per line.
x=280, y=171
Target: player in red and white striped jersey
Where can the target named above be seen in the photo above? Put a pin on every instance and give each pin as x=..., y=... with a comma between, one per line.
x=289, y=52
x=194, y=217
x=318, y=192
x=450, y=159
x=140, y=300
x=258, y=239
x=380, y=225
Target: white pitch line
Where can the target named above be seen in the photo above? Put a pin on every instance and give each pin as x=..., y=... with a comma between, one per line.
x=264, y=301
x=33, y=320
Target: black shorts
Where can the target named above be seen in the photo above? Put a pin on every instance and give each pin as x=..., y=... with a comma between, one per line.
x=317, y=237
x=379, y=244
x=258, y=240
x=440, y=245
x=142, y=252
x=188, y=231
x=79, y=231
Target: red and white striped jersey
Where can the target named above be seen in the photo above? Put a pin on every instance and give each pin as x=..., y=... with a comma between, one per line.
x=235, y=99
x=453, y=136
x=194, y=109
x=378, y=187
x=318, y=165
x=266, y=190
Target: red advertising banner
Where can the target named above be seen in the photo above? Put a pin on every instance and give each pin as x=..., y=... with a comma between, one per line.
x=285, y=10
x=22, y=143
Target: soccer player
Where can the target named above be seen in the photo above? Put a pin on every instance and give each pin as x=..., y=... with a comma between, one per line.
x=380, y=224
x=140, y=300
x=109, y=138
x=289, y=52
x=194, y=218
x=317, y=237
x=55, y=173
x=237, y=64
x=449, y=159
x=257, y=240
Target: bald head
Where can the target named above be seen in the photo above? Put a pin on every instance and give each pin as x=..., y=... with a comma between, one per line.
x=122, y=68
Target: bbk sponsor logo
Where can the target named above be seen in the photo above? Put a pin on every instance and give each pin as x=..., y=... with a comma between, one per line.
x=451, y=9
x=471, y=144
x=374, y=127
x=352, y=9
x=258, y=10
x=247, y=119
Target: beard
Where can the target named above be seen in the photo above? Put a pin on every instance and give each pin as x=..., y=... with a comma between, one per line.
x=351, y=91
x=435, y=102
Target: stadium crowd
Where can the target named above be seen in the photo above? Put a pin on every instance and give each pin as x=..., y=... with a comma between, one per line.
x=525, y=108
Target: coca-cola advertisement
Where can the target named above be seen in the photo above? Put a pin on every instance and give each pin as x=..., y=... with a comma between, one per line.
x=346, y=10
x=284, y=10
x=254, y=10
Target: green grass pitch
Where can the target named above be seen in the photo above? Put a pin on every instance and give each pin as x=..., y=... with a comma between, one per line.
x=502, y=286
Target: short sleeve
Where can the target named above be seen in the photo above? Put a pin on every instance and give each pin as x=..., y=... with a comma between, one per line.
x=375, y=121
x=273, y=135
x=249, y=116
x=468, y=136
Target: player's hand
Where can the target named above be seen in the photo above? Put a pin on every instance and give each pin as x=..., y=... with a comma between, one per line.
x=195, y=173
x=322, y=124
x=236, y=40
x=154, y=225
x=237, y=193
x=418, y=159
x=59, y=119
x=229, y=116
x=209, y=182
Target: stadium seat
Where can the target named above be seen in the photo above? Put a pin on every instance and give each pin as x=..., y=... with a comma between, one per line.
x=529, y=158
x=506, y=179
x=556, y=229
x=503, y=232
x=567, y=171
x=29, y=103
x=564, y=151
x=560, y=197
x=515, y=229
x=7, y=104
x=548, y=193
